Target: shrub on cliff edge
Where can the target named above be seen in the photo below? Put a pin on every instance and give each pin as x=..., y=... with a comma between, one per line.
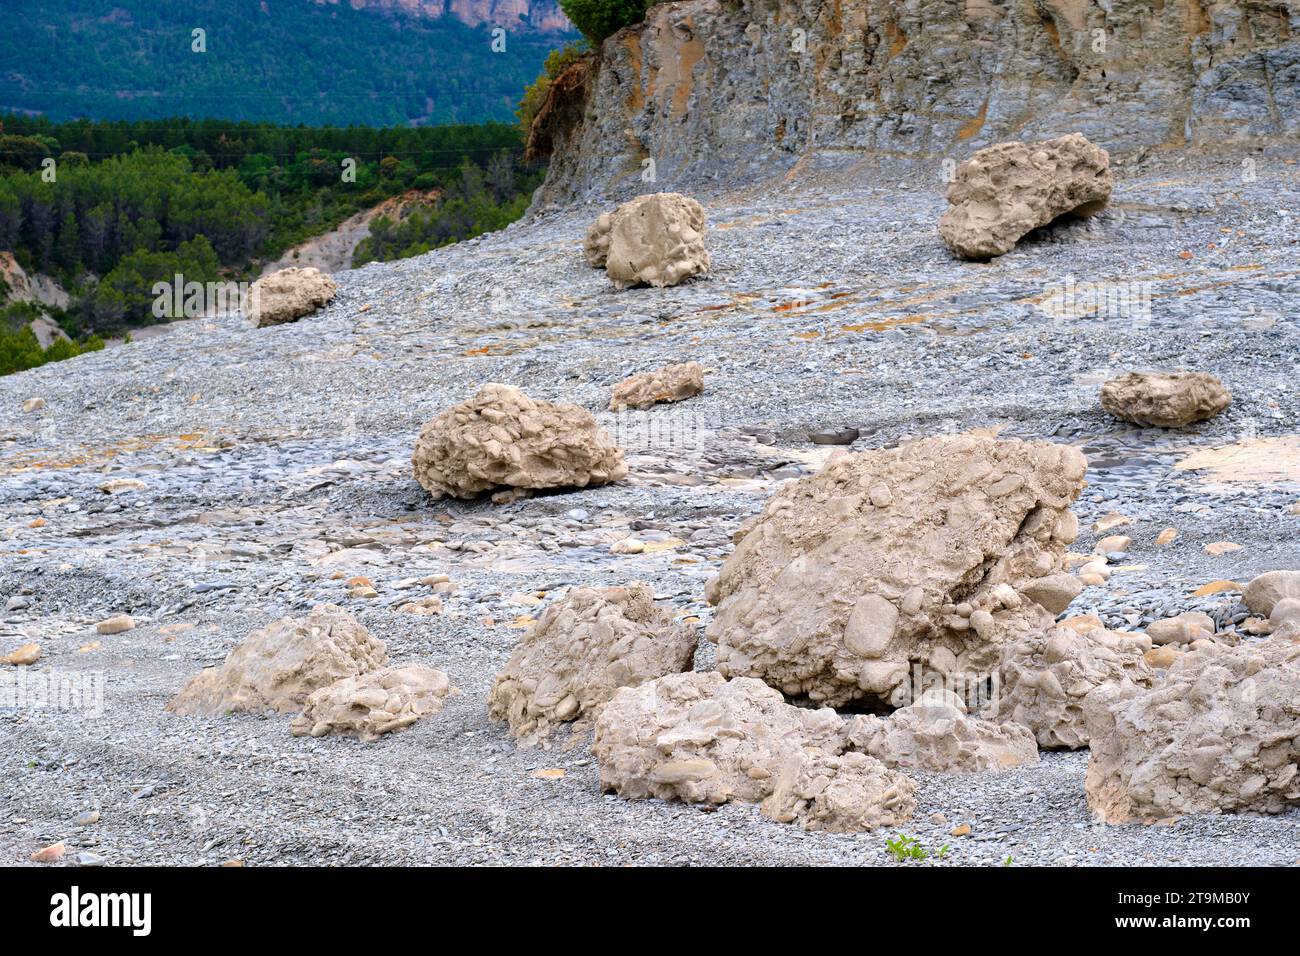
x=601, y=18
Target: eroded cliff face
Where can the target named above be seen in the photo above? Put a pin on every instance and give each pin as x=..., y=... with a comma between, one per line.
x=708, y=89
x=544, y=15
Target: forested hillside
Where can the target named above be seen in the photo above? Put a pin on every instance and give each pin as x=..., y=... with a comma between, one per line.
x=283, y=61
x=132, y=204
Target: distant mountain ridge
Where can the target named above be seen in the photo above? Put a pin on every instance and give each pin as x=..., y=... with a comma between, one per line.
x=542, y=15
x=317, y=62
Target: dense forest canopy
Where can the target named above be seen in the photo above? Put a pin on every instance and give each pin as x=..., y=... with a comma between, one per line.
x=284, y=62
x=111, y=208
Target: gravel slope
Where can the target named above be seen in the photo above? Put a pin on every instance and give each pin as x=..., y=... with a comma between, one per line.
x=275, y=459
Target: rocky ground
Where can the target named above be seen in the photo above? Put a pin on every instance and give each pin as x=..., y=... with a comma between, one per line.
x=275, y=469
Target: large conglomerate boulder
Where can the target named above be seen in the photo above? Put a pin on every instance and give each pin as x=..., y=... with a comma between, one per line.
x=1165, y=399
x=288, y=295
x=1220, y=734
x=502, y=439
x=581, y=650
x=916, y=555
x=1006, y=191
x=1047, y=676
x=700, y=738
x=672, y=383
x=278, y=667
x=840, y=793
x=656, y=239
x=935, y=733
x=375, y=703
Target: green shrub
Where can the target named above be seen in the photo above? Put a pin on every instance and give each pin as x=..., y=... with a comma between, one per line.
x=598, y=19
x=20, y=350
x=535, y=95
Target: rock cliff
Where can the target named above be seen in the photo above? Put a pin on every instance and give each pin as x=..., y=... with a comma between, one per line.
x=705, y=89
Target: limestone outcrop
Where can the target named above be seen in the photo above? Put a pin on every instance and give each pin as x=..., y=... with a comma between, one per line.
x=288, y=295
x=1047, y=677
x=375, y=703
x=1004, y=192
x=1220, y=734
x=502, y=439
x=278, y=667
x=672, y=383
x=888, y=558
x=737, y=91
x=656, y=239
x=1165, y=399
x=581, y=650
x=935, y=733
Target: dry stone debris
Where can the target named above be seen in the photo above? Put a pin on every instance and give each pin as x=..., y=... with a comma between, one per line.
x=502, y=439
x=656, y=239
x=278, y=667
x=1181, y=629
x=935, y=733
x=1047, y=677
x=288, y=295
x=920, y=554
x=672, y=383
x=1006, y=191
x=1220, y=734
x=581, y=650
x=378, y=702
x=1165, y=399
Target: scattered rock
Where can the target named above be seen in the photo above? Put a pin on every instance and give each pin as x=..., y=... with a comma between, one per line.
x=1006, y=191
x=503, y=439
x=1110, y=522
x=1217, y=735
x=1264, y=591
x=278, y=667
x=87, y=818
x=116, y=624
x=119, y=485
x=935, y=733
x=655, y=239
x=1046, y=678
x=374, y=703
x=288, y=295
x=24, y=656
x=1165, y=399
x=33, y=404
x=672, y=383
x=1167, y=536
x=581, y=650
x=1115, y=542
x=1183, y=629
x=50, y=854
x=892, y=557
x=1216, y=549
x=844, y=436
x=960, y=830
x=1162, y=658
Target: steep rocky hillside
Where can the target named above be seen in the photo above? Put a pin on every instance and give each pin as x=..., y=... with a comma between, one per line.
x=710, y=90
